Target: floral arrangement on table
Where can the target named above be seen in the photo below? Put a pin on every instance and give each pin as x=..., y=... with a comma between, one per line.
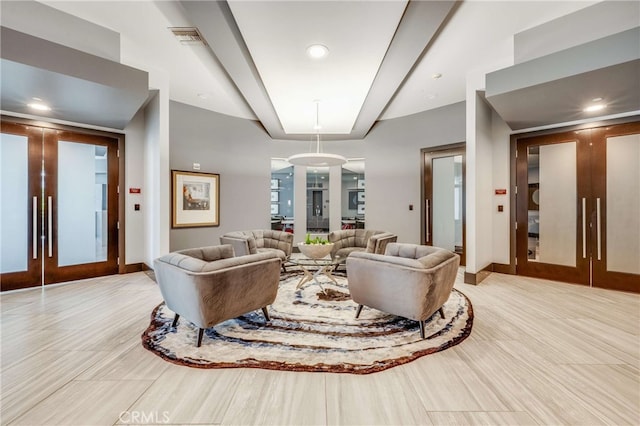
x=315, y=248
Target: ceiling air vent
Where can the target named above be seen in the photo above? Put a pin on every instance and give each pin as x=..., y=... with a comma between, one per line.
x=188, y=35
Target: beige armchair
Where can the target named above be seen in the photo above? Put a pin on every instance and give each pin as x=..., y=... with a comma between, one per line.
x=209, y=285
x=259, y=241
x=347, y=241
x=409, y=280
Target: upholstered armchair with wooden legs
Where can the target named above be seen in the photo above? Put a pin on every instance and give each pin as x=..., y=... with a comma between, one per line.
x=209, y=285
x=347, y=241
x=409, y=280
x=260, y=240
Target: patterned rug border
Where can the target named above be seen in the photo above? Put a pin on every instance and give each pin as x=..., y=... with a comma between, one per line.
x=147, y=343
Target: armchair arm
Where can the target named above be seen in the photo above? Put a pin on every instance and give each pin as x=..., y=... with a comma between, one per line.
x=379, y=242
x=242, y=244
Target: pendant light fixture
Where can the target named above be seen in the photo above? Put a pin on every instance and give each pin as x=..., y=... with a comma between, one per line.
x=318, y=158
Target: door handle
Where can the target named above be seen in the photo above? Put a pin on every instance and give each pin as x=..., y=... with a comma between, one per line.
x=34, y=225
x=598, y=229
x=584, y=228
x=428, y=234
x=49, y=226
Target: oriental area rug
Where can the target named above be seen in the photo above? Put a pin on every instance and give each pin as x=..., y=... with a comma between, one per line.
x=310, y=330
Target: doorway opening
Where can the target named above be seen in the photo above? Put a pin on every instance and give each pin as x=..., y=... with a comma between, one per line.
x=443, y=198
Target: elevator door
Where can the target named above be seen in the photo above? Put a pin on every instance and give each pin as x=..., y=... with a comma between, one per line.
x=578, y=207
x=59, y=206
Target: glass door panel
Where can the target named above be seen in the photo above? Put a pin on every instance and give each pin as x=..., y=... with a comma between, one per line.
x=623, y=204
x=556, y=241
x=20, y=206
x=82, y=203
x=14, y=217
x=444, y=222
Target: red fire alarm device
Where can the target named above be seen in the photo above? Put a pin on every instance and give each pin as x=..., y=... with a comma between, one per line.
x=134, y=190
x=501, y=192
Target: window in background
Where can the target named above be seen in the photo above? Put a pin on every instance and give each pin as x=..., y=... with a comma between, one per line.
x=353, y=194
x=281, y=196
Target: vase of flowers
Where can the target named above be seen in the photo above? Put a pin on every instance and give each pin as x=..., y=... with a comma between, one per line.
x=315, y=248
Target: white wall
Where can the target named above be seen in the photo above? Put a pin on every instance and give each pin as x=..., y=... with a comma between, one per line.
x=156, y=189
x=134, y=175
x=501, y=169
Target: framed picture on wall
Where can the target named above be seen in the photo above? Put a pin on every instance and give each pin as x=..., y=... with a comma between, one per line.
x=275, y=209
x=195, y=199
x=360, y=208
x=360, y=183
x=275, y=196
x=353, y=200
x=275, y=183
x=361, y=197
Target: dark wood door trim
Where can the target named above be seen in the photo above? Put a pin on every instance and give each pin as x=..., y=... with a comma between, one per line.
x=53, y=272
x=38, y=131
x=427, y=156
x=33, y=274
x=592, y=174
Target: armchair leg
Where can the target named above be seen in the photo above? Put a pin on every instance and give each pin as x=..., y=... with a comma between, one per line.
x=358, y=311
x=200, y=333
x=175, y=321
x=284, y=268
x=266, y=313
x=441, y=312
x=421, y=329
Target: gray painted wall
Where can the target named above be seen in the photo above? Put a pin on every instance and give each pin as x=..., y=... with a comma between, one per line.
x=393, y=166
x=235, y=148
x=240, y=151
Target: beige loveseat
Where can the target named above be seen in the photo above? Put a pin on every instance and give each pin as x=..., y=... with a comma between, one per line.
x=259, y=241
x=209, y=285
x=409, y=280
x=347, y=241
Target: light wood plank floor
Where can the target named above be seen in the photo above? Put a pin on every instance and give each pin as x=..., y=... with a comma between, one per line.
x=540, y=352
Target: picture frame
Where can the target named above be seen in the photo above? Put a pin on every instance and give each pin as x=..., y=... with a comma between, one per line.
x=195, y=199
x=275, y=196
x=275, y=183
x=361, y=197
x=360, y=183
x=353, y=200
x=360, y=208
x=275, y=209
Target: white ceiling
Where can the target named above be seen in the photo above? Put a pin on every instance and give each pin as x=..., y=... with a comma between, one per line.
x=475, y=35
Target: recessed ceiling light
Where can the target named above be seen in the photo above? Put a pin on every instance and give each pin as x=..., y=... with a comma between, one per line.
x=596, y=99
x=594, y=108
x=317, y=51
x=39, y=106
x=436, y=76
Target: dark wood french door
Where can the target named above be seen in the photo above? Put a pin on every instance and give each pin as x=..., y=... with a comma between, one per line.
x=578, y=206
x=443, y=207
x=59, y=205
